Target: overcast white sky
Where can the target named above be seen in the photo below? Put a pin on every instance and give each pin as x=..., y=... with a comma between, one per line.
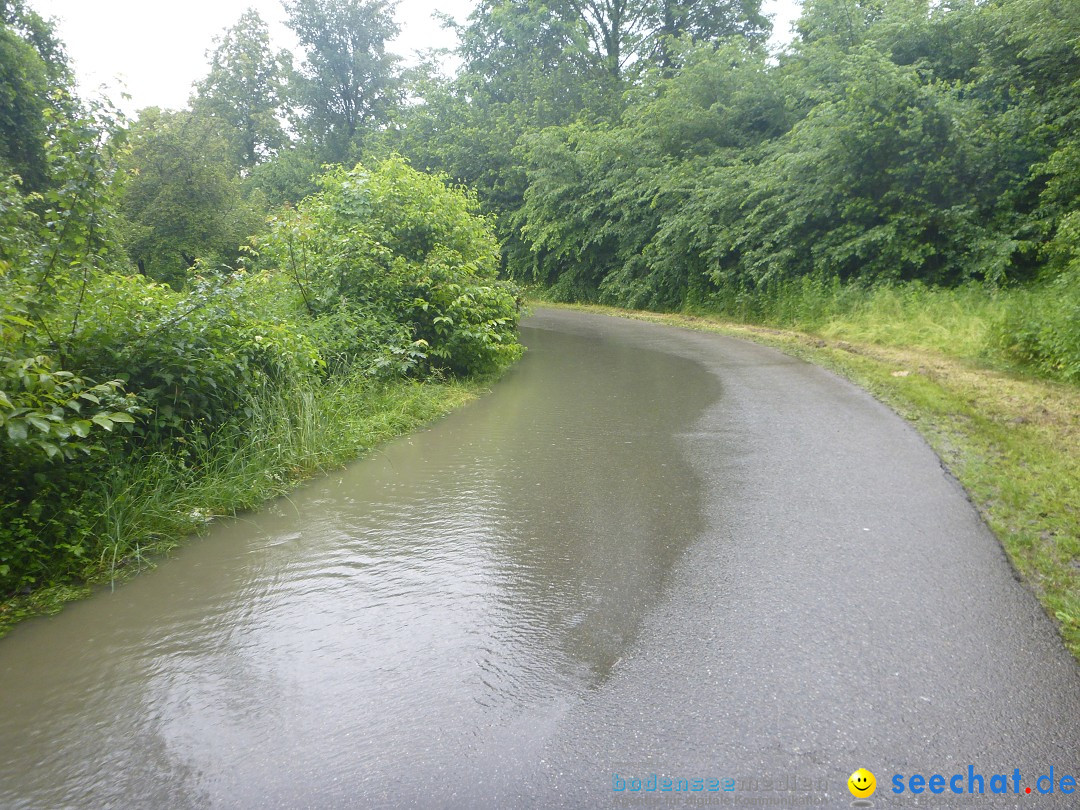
x=157, y=48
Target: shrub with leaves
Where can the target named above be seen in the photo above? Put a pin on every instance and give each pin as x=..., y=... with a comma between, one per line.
x=195, y=358
x=392, y=245
x=43, y=409
x=1041, y=330
x=47, y=411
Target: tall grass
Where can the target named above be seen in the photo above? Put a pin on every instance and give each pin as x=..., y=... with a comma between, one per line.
x=148, y=505
x=1034, y=328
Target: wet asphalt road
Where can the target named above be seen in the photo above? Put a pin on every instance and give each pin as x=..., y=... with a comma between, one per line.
x=651, y=553
x=846, y=607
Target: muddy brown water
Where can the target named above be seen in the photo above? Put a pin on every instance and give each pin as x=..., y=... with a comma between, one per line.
x=400, y=629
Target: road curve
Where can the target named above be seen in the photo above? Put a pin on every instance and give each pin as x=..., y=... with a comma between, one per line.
x=845, y=607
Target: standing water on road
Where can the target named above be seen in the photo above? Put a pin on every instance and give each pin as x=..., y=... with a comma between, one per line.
x=403, y=631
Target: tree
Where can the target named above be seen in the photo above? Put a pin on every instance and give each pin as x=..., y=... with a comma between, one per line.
x=843, y=22
x=524, y=68
x=348, y=83
x=245, y=90
x=40, y=35
x=615, y=28
x=527, y=52
x=616, y=212
x=182, y=199
x=627, y=32
x=674, y=20
x=24, y=89
x=35, y=96
x=529, y=64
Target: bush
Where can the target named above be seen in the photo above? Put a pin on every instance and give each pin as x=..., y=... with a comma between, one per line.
x=1041, y=328
x=382, y=274
x=195, y=359
x=392, y=245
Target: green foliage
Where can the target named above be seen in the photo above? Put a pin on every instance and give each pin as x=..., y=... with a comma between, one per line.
x=1035, y=327
x=401, y=279
x=197, y=358
x=49, y=419
x=24, y=90
x=348, y=83
x=610, y=41
x=288, y=176
x=395, y=246
x=886, y=182
x=894, y=174
x=46, y=412
x=1042, y=328
x=42, y=410
x=395, y=277
x=34, y=80
x=956, y=321
x=894, y=142
x=531, y=65
x=51, y=240
x=190, y=363
x=245, y=90
x=1043, y=332
x=56, y=422
x=625, y=213
x=182, y=198
x=124, y=399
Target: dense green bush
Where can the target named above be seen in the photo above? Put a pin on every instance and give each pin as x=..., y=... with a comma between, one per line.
x=55, y=426
x=393, y=246
x=1041, y=328
x=381, y=274
x=196, y=358
x=1042, y=331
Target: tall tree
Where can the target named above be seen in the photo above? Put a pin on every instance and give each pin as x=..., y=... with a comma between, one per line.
x=23, y=92
x=627, y=32
x=525, y=51
x=34, y=79
x=843, y=22
x=615, y=29
x=597, y=41
x=531, y=64
x=703, y=22
x=40, y=34
x=182, y=199
x=245, y=90
x=349, y=82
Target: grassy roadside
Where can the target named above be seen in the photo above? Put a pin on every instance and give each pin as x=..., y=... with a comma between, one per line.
x=1013, y=442
x=149, y=506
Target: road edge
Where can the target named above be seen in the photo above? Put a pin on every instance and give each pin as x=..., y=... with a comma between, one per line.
x=1011, y=443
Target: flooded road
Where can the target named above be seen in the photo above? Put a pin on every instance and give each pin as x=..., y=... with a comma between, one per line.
x=647, y=550
x=400, y=627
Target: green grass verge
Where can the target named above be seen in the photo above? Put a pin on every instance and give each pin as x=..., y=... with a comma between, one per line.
x=151, y=505
x=1032, y=328
x=1012, y=441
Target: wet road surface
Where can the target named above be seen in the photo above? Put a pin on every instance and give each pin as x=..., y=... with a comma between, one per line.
x=648, y=551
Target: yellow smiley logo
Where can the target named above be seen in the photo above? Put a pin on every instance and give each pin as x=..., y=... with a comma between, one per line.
x=862, y=784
